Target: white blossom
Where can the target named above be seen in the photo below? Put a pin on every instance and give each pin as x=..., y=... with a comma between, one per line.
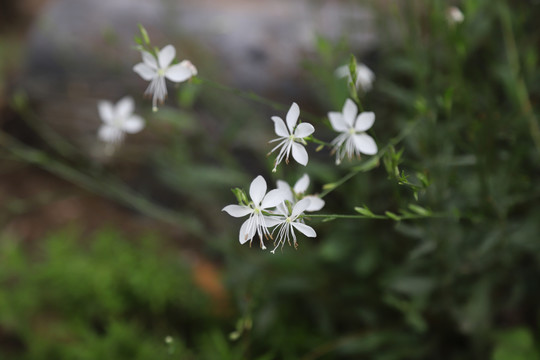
x=364, y=76
x=286, y=223
x=454, y=15
x=353, y=140
x=118, y=119
x=261, y=202
x=157, y=69
x=190, y=66
x=291, y=137
x=297, y=192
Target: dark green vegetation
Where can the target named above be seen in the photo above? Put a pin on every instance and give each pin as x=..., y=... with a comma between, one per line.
x=463, y=286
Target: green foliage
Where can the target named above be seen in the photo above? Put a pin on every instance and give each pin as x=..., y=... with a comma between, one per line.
x=110, y=298
x=441, y=260
x=515, y=344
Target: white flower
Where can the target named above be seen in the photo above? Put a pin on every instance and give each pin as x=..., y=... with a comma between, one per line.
x=118, y=119
x=353, y=140
x=454, y=15
x=190, y=66
x=260, y=202
x=364, y=76
x=291, y=137
x=297, y=192
x=286, y=223
x=156, y=70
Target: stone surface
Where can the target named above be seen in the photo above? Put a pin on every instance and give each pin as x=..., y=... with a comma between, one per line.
x=253, y=44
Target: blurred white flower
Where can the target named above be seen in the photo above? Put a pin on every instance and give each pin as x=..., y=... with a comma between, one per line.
x=353, y=140
x=297, y=192
x=118, y=119
x=454, y=15
x=190, y=66
x=286, y=223
x=156, y=70
x=291, y=137
x=260, y=202
x=364, y=76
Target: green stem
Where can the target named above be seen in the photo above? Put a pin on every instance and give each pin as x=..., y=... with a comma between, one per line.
x=379, y=217
x=519, y=86
x=256, y=98
x=317, y=141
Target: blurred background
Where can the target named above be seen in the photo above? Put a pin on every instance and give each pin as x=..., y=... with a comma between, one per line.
x=127, y=255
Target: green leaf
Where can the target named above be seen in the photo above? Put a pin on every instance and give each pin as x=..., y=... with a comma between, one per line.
x=144, y=34
x=329, y=186
x=515, y=344
x=364, y=211
x=423, y=179
x=420, y=210
x=392, y=216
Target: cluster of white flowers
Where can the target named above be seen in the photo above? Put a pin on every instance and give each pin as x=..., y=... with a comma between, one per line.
x=119, y=119
x=352, y=139
x=275, y=215
x=281, y=210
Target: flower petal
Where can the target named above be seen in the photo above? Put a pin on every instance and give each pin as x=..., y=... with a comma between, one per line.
x=124, y=108
x=337, y=122
x=272, y=199
x=145, y=71
x=178, y=73
x=365, y=144
x=302, y=184
x=279, y=127
x=245, y=233
x=133, y=124
x=272, y=221
x=349, y=112
x=292, y=116
x=285, y=189
x=315, y=204
x=304, y=229
x=303, y=130
x=149, y=60
x=166, y=56
x=342, y=71
x=110, y=134
x=187, y=64
x=299, y=154
x=106, y=111
x=364, y=77
x=282, y=209
x=300, y=207
x=257, y=189
x=237, y=210
x=364, y=121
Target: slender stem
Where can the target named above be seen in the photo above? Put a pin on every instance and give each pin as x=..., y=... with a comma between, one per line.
x=380, y=217
x=519, y=85
x=257, y=98
x=317, y=141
